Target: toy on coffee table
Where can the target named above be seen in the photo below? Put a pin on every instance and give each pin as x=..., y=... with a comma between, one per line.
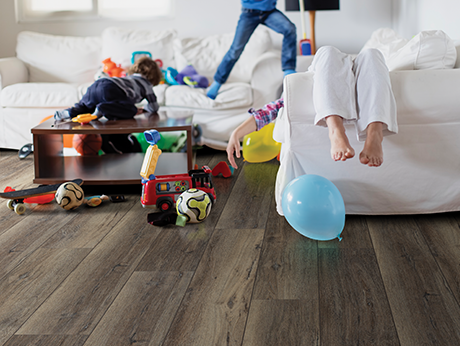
x=84, y=118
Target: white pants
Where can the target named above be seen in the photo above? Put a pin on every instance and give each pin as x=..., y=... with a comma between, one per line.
x=358, y=90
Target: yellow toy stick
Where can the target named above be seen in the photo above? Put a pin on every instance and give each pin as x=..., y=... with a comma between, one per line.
x=151, y=156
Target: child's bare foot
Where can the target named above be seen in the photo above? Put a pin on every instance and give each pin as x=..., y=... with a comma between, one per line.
x=341, y=149
x=372, y=154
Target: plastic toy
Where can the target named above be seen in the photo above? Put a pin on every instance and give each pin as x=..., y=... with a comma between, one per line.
x=34, y=195
x=190, y=77
x=163, y=191
x=170, y=76
x=112, y=69
x=26, y=150
x=69, y=195
x=259, y=146
x=314, y=207
x=166, y=218
x=195, y=205
x=222, y=168
x=151, y=156
x=94, y=201
x=84, y=118
x=139, y=54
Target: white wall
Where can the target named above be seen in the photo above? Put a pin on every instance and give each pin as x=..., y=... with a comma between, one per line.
x=413, y=16
x=347, y=29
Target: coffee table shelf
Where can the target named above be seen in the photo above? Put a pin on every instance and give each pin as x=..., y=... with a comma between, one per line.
x=52, y=167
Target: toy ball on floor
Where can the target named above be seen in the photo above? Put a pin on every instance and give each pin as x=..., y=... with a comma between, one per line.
x=194, y=204
x=69, y=196
x=314, y=207
x=87, y=144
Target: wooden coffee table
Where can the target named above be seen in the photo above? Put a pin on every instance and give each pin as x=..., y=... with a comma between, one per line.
x=52, y=167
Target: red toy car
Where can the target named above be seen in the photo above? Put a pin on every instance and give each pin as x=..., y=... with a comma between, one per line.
x=163, y=191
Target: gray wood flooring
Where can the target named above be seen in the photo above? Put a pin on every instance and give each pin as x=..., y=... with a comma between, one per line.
x=104, y=276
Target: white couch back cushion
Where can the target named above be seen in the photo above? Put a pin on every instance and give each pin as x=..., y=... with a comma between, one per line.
x=205, y=54
x=119, y=44
x=52, y=58
x=426, y=50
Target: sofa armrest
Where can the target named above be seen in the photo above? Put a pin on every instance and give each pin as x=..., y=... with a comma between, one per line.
x=267, y=79
x=12, y=71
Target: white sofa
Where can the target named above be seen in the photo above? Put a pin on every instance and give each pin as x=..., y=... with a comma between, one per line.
x=52, y=72
x=421, y=169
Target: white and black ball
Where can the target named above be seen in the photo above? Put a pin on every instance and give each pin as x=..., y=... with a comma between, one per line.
x=194, y=204
x=69, y=195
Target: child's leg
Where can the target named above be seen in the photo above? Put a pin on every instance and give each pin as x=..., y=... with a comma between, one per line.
x=376, y=105
x=372, y=154
x=334, y=97
x=341, y=149
x=248, y=22
x=375, y=100
x=114, y=110
x=279, y=23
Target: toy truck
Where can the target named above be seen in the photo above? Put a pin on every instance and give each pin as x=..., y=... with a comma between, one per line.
x=162, y=192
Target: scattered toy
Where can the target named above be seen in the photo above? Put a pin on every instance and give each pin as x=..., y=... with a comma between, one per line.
x=222, y=168
x=70, y=195
x=166, y=218
x=34, y=195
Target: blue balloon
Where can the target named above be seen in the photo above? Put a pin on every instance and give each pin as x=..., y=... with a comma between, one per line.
x=314, y=207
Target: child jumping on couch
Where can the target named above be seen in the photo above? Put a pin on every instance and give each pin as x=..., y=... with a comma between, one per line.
x=344, y=90
x=116, y=97
x=253, y=13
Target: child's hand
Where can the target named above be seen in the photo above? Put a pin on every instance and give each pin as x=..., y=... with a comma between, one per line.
x=233, y=146
x=140, y=111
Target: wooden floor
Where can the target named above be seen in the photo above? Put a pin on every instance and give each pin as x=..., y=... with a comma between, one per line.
x=104, y=276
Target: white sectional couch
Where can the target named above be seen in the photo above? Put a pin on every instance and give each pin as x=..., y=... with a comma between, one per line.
x=421, y=168
x=52, y=72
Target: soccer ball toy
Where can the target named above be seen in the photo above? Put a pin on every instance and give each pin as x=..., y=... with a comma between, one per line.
x=194, y=204
x=69, y=195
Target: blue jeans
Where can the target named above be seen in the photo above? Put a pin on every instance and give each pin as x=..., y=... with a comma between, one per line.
x=248, y=22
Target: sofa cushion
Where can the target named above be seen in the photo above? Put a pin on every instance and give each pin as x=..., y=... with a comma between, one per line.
x=205, y=54
x=39, y=95
x=231, y=95
x=52, y=58
x=120, y=43
x=426, y=50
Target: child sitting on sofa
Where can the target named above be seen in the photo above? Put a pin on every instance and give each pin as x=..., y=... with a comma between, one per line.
x=253, y=13
x=344, y=90
x=116, y=97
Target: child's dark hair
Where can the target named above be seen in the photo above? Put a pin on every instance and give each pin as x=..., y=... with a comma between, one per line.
x=147, y=68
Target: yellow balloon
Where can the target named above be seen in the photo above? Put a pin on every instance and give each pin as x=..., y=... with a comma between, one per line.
x=259, y=146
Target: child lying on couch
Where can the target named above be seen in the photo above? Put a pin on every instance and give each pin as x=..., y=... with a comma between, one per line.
x=116, y=97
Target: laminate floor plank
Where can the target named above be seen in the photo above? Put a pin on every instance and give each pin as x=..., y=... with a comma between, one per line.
x=288, y=265
x=143, y=311
x=442, y=233
x=249, y=201
x=26, y=287
x=91, y=224
x=215, y=308
x=82, y=299
x=424, y=308
x=27, y=235
x=47, y=340
x=280, y=322
x=354, y=309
